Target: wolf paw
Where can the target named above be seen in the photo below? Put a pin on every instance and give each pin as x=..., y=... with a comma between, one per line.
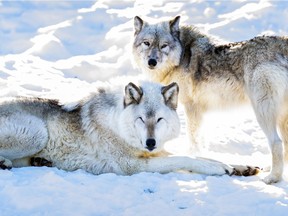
x=5, y=163
x=272, y=178
x=38, y=162
x=245, y=170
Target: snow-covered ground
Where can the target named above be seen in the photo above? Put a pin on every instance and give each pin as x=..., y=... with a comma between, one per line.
x=63, y=49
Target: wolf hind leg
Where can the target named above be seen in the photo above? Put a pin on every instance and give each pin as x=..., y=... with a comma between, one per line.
x=267, y=121
x=5, y=163
x=267, y=88
x=21, y=136
x=266, y=108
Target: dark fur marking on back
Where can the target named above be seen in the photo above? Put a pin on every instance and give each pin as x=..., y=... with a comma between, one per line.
x=198, y=75
x=54, y=102
x=222, y=49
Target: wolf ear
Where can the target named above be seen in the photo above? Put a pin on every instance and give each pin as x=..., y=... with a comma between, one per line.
x=133, y=94
x=138, y=24
x=174, y=26
x=170, y=94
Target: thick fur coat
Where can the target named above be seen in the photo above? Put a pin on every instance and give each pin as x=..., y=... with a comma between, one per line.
x=212, y=76
x=107, y=132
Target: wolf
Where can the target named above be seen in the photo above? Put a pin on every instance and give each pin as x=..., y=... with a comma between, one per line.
x=213, y=75
x=106, y=132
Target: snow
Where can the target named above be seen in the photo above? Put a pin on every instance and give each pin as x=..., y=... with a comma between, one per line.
x=64, y=49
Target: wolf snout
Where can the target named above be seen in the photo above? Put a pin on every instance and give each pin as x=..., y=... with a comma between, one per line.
x=150, y=144
x=152, y=62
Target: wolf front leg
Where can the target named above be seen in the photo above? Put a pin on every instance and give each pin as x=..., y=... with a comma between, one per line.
x=283, y=126
x=177, y=163
x=194, y=114
x=196, y=165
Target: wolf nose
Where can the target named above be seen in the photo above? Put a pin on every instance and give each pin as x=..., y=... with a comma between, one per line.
x=152, y=62
x=150, y=143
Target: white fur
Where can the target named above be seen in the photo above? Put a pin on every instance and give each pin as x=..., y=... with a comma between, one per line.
x=102, y=133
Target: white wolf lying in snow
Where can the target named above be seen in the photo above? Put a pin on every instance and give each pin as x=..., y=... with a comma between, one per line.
x=105, y=132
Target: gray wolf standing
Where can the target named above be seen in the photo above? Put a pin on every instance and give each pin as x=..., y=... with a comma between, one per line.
x=212, y=75
x=106, y=132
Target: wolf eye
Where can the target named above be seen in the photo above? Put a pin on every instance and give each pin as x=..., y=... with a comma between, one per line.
x=163, y=46
x=140, y=118
x=146, y=43
x=159, y=119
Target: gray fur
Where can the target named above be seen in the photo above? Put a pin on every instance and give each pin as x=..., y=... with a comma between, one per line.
x=212, y=75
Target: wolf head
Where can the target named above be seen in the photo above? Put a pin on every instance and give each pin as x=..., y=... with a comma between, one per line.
x=149, y=118
x=157, y=47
